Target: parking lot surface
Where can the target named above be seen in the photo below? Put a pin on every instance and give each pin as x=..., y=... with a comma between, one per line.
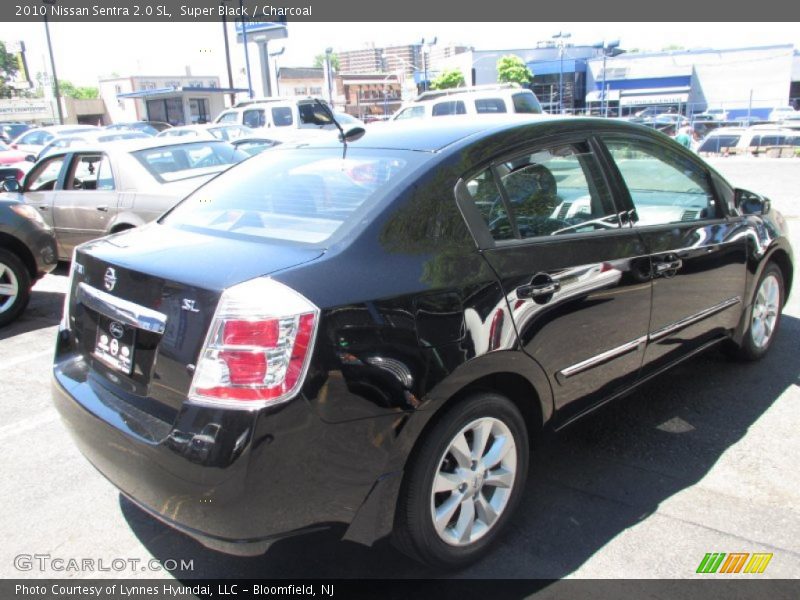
x=702, y=459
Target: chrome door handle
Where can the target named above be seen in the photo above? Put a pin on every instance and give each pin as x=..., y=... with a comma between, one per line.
x=538, y=291
x=672, y=265
x=43, y=207
x=102, y=208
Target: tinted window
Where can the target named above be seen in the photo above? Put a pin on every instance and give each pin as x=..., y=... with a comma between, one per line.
x=313, y=114
x=490, y=105
x=452, y=107
x=172, y=163
x=768, y=140
x=255, y=117
x=296, y=195
x=45, y=175
x=526, y=103
x=717, y=142
x=484, y=192
x=281, y=116
x=665, y=186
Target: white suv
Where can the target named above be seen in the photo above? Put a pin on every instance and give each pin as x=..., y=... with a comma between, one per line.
x=291, y=113
x=479, y=100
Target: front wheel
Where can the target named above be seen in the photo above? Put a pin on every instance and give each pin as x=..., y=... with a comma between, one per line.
x=15, y=287
x=764, y=317
x=464, y=482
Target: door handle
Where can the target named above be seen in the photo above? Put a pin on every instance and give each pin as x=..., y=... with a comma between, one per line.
x=102, y=208
x=43, y=207
x=672, y=265
x=538, y=290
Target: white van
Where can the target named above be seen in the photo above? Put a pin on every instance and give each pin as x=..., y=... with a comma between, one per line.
x=478, y=100
x=291, y=113
x=747, y=140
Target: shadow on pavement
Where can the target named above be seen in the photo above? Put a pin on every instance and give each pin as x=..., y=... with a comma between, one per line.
x=589, y=483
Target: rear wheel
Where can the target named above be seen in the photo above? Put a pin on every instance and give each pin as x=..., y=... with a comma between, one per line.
x=764, y=317
x=15, y=287
x=464, y=482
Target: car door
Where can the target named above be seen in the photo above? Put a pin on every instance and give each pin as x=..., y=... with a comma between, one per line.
x=575, y=279
x=698, y=251
x=87, y=204
x=42, y=183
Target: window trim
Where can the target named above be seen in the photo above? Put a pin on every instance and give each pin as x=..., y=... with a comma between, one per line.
x=477, y=225
x=625, y=194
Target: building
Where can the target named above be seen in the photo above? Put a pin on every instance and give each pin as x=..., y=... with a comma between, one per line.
x=370, y=95
x=301, y=81
x=180, y=100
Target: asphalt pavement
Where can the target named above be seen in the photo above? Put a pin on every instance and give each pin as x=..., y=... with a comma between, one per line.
x=703, y=459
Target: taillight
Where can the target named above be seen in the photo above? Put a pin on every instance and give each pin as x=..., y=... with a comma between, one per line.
x=258, y=346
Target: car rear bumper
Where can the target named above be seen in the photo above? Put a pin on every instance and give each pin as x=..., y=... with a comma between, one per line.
x=234, y=480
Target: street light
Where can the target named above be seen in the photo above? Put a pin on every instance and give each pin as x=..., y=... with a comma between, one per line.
x=277, y=83
x=246, y=51
x=53, y=62
x=328, y=52
x=227, y=51
x=561, y=36
x=611, y=49
x=426, y=48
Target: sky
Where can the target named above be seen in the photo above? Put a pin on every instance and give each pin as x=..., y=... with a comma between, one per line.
x=84, y=52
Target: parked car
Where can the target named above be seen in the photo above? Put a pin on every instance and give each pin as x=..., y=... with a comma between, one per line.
x=478, y=100
x=90, y=191
x=33, y=140
x=27, y=253
x=291, y=113
x=782, y=112
x=10, y=156
x=12, y=130
x=149, y=127
x=90, y=137
x=210, y=132
x=747, y=140
x=373, y=338
x=712, y=114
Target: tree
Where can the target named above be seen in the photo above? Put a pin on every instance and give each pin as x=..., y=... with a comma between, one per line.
x=451, y=78
x=8, y=70
x=319, y=61
x=512, y=69
x=67, y=89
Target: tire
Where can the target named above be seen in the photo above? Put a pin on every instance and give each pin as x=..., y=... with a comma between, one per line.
x=473, y=509
x=15, y=287
x=764, y=317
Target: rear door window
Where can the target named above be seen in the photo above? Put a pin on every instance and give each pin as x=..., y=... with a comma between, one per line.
x=254, y=117
x=451, y=107
x=282, y=116
x=490, y=105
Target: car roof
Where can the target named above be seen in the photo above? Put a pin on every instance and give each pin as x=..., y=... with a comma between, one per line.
x=132, y=145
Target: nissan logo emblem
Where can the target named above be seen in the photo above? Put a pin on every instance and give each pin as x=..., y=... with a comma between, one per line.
x=116, y=329
x=110, y=279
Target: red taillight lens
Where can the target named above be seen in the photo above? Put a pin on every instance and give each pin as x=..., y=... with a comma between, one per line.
x=258, y=346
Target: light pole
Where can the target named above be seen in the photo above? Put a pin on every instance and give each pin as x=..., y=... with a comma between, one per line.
x=227, y=51
x=561, y=36
x=328, y=52
x=53, y=62
x=246, y=52
x=275, y=55
x=610, y=49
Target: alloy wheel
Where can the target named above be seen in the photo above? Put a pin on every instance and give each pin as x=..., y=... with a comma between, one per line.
x=765, y=311
x=9, y=287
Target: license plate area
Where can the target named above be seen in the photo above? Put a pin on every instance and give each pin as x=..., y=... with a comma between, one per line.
x=114, y=344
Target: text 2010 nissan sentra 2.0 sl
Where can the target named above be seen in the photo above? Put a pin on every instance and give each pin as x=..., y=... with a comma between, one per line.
x=372, y=335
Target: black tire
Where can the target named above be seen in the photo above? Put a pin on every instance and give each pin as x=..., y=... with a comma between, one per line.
x=13, y=273
x=750, y=349
x=414, y=531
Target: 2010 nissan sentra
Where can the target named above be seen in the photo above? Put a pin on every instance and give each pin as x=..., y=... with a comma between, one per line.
x=373, y=334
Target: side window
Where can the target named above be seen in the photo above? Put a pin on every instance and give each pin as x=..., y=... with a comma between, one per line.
x=45, y=175
x=413, y=112
x=451, y=107
x=228, y=117
x=490, y=105
x=83, y=172
x=105, y=178
x=552, y=191
x=526, y=102
x=254, y=118
x=485, y=194
x=665, y=186
x=281, y=116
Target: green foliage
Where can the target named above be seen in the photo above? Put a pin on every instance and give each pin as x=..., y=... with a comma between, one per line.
x=446, y=80
x=67, y=89
x=8, y=70
x=319, y=61
x=512, y=69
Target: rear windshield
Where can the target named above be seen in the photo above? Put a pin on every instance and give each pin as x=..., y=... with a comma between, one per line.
x=526, y=103
x=297, y=195
x=181, y=161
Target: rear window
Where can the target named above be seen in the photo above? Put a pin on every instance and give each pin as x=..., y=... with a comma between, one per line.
x=717, y=142
x=526, y=103
x=490, y=105
x=297, y=195
x=172, y=163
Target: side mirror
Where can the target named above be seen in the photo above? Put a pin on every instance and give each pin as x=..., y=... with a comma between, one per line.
x=10, y=184
x=750, y=203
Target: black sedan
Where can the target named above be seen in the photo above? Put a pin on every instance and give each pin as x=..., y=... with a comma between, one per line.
x=27, y=253
x=373, y=334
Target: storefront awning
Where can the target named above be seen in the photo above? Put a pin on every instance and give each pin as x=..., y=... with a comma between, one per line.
x=647, y=97
x=165, y=91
